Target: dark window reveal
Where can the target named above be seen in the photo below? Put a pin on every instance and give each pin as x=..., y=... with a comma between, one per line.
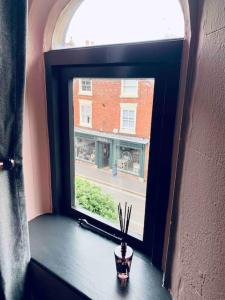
x=107, y=142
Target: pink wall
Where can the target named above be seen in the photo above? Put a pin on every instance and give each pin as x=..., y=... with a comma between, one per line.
x=198, y=269
x=35, y=135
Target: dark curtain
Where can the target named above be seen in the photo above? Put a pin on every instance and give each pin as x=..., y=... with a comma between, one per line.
x=14, y=242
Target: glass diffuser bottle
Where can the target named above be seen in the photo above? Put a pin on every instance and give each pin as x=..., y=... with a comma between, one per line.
x=123, y=253
x=123, y=257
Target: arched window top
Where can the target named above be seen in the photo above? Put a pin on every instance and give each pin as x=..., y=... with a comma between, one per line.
x=102, y=22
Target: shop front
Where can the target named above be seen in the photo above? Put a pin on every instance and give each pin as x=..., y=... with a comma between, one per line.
x=106, y=150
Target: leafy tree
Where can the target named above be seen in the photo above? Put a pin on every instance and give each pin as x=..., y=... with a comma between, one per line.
x=91, y=197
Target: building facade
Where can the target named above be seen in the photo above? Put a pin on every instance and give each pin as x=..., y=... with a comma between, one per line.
x=109, y=115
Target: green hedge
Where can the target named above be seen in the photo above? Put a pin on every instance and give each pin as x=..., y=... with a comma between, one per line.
x=91, y=197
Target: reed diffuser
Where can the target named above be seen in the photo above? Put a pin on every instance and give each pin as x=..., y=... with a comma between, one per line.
x=124, y=253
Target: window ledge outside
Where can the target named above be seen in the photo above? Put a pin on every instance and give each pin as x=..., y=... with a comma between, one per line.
x=85, y=125
x=129, y=96
x=85, y=263
x=127, y=131
x=82, y=93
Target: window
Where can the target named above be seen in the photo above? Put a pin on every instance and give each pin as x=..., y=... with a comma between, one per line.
x=128, y=117
x=86, y=155
x=85, y=149
x=85, y=87
x=129, y=88
x=129, y=160
x=120, y=160
x=85, y=113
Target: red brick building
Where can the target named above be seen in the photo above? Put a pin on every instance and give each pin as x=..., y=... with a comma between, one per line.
x=109, y=115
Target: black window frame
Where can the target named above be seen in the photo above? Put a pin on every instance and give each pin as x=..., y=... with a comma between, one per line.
x=159, y=60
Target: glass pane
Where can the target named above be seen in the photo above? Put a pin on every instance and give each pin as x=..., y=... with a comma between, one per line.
x=82, y=109
x=125, y=113
x=125, y=124
x=130, y=82
x=125, y=21
x=131, y=114
x=86, y=85
x=87, y=109
x=130, y=90
x=86, y=118
x=111, y=157
x=131, y=124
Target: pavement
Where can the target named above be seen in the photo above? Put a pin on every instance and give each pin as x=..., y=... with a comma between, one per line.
x=122, y=181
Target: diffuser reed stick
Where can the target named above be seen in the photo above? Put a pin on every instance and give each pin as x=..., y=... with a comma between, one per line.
x=124, y=220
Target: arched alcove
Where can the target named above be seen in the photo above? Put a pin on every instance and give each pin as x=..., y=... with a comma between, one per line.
x=54, y=19
x=45, y=21
x=203, y=272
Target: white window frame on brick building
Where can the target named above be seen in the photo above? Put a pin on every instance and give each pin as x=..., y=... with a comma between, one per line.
x=129, y=88
x=126, y=127
x=85, y=115
x=85, y=87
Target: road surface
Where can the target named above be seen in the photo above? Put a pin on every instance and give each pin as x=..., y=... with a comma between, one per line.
x=138, y=205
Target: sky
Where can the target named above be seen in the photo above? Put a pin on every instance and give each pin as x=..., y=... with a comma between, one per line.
x=121, y=21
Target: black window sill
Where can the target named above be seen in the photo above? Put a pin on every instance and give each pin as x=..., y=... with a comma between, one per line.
x=64, y=255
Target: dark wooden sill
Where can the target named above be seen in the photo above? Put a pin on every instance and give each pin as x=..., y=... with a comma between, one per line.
x=69, y=262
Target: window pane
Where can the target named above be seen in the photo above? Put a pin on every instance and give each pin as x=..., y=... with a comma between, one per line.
x=130, y=87
x=87, y=85
x=131, y=114
x=130, y=83
x=111, y=157
x=85, y=113
x=125, y=123
x=86, y=119
x=87, y=109
x=125, y=114
x=130, y=90
x=131, y=124
x=145, y=20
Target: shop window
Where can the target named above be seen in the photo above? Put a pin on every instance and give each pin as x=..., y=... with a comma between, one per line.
x=129, y=88
x=85, y=87
x=85, y=149
x=85, y=113
x=129, y=160
x=128, y=117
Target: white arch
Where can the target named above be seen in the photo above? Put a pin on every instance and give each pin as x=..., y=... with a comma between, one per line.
x=62, y=24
